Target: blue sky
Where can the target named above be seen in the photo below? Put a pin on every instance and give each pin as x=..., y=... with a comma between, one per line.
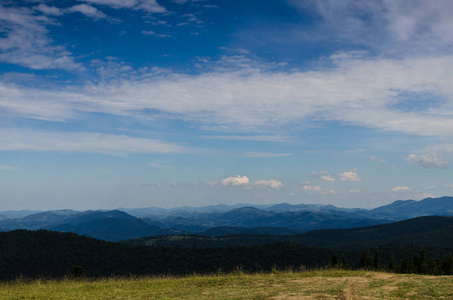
x=137, y=103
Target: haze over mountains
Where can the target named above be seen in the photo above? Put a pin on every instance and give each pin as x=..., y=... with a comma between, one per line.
x=278, y=219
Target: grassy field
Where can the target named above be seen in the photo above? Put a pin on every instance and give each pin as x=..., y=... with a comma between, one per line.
x=328, y=284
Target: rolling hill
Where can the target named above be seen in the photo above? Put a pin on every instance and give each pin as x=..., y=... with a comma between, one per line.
x=49, y=254
x=116, y=225
x=422, y=232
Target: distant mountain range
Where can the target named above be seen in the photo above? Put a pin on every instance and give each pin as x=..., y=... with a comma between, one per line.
x=277, y=219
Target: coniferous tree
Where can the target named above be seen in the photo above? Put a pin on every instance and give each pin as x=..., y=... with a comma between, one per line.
x=433, y=267
x=447, y=265
x=405, y=266
x=420, y=262
x=408, y=264
x=377, y=265
x=334, y=261
x=344, y=262
x=366, y=260
x=392, y=264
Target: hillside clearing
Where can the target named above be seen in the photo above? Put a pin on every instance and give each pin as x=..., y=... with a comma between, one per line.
x=328, y=284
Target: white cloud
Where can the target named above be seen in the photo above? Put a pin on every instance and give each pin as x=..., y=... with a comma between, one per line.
x=328, y=178
x=316, y=189
x=265, y=154
x=401, y=189
x=146, y=5
x=349, y=176
x=358, y=91
x=412, y=26
x=428, y=160
x=50, y=10
x=235, y=181
x=152, y=33
x=88, y=11
x=262, y=100
x=311, y=188
x=275, y=184
x=245, y=182
x=25, y=41
x=83, y=142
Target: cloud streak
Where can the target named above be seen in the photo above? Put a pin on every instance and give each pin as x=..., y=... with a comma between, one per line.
x=26, y=43
x=356, y=91
x=428, y=160
x=84, y=142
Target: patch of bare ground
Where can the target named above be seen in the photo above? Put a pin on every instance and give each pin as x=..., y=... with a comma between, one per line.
x=373, y=285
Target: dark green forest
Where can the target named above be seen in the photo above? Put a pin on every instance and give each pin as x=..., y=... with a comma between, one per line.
x=431, y=231
x=48, y=254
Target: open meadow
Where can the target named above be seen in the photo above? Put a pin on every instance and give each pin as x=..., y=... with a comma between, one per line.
x=323, y=284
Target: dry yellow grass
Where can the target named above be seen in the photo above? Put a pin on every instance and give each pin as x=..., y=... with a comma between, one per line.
x=327, y=284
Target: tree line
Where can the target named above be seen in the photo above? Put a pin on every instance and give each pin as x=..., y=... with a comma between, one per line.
x=412, y=263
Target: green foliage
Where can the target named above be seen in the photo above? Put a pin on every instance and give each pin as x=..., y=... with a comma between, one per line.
x=421, y=264
x=447, y=265
x=392, y=264
x=76, y=273
x=334, y=261
x=421, y=232
x=46, y=254
x=344, y=263
x=366, y=260
x=377, y=265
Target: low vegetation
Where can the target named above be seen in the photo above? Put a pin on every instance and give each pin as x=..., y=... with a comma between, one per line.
x=321, y=284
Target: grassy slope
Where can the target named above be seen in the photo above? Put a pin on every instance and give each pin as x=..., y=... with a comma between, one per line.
x=329, y=284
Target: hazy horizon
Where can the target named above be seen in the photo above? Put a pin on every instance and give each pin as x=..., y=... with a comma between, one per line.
x=142, y=103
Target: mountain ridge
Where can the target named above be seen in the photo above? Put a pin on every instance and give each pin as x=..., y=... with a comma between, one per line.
x=115, y=225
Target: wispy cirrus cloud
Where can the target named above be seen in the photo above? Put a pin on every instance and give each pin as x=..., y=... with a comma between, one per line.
x=152, y=33
x=88, y=11
x=428, y=160
x=146, y=5
x=84, y=142
x=26, y=42
x=389, y=27
x=263, y=101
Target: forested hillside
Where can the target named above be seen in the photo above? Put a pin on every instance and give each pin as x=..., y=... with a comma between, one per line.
x=422, y=232
x=34, y=254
